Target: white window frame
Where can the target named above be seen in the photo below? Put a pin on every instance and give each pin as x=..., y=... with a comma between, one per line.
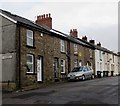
x=100, y=66
x=31, y=63
x=75, y=63
x=100, y=55
x=113, y=58
x=80, y=63
x=62, y=45
x=75, y=49
x=90, y=51
x=29, y=37
x=62, y=66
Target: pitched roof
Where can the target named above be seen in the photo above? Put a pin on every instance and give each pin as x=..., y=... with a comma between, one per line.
x=27, y=22
x=22, y=20
x=70, y=38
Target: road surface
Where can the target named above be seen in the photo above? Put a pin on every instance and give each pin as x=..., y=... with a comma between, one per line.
x=95, y=91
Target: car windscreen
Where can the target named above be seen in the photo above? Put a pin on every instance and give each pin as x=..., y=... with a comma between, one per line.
x=77, y=69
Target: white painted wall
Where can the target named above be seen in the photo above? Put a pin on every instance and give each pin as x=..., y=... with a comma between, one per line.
x=116, y=65
x=99, y=61
x=107, y=62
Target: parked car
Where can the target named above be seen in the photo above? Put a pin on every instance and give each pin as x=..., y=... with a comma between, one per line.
x=81, y=73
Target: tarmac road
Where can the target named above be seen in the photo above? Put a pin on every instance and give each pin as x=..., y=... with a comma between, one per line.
x=96, y=91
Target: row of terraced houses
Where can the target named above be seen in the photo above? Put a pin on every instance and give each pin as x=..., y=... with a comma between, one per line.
x=34, y=52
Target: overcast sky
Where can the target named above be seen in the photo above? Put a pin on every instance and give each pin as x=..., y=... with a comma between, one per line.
x=96, y=20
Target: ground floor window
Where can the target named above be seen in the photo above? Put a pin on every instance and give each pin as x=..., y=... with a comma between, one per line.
x=112, y=67
x=80, y=63
x=30, y=63
x=62, y=63
x=100, y=66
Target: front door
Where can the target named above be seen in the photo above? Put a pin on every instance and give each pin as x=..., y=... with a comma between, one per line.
x=39, y=69
x=56, y=69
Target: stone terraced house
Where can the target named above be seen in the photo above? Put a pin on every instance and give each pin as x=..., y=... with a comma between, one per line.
x=35, y=53
x=106, y=61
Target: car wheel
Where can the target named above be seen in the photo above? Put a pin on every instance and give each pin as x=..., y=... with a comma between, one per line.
x=92, y=76
x=83, y=77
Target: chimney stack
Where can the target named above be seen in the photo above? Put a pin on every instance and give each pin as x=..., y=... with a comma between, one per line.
x=84, y=38
x=99, y=44
x=92, y=41
x=118, y=53
x=74, y=33
x=44, y=20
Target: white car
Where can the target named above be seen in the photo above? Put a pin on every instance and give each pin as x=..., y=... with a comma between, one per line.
x=82, y=72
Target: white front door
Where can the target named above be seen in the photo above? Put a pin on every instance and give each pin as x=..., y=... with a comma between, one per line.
x=39, y=69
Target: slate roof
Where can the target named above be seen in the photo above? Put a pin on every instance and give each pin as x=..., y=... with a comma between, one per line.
x=70, y=38
x=24, y=21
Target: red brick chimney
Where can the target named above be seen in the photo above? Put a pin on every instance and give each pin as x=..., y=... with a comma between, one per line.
x=74, y=33
x=45, y=20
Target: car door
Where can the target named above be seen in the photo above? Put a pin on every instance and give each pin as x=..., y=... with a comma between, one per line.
x=85, y=72
x=89, y=72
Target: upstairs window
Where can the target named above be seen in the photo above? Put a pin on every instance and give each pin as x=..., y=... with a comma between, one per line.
x=113, y=58
x=107, y=58
x=90, y=51
x=100, y=55
x=29, y=37
x=62, y=46
x=75, y=49
x=62, y=62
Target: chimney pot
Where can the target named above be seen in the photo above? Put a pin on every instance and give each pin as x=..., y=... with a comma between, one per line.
x=49, y=15
x=71, y=31
x=46, y=15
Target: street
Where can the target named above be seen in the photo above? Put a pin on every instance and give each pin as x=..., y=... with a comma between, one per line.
x=95, y=91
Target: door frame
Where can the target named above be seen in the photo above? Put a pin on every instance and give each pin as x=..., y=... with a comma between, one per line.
x=56, y=73
x=41, y=68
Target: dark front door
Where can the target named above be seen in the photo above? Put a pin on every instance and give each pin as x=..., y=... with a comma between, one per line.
x=56, y=69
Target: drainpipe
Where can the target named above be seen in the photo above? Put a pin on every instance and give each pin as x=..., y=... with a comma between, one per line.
x=19, y=62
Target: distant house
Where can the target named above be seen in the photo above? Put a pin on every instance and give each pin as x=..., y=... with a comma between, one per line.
x=105, y=61
x=118, y=55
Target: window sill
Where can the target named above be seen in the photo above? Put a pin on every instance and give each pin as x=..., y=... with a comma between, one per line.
x=33, y=47
x=63, y=73
x=30, y=73
x=91, y=57
x=63, y=52
x=76, y=54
